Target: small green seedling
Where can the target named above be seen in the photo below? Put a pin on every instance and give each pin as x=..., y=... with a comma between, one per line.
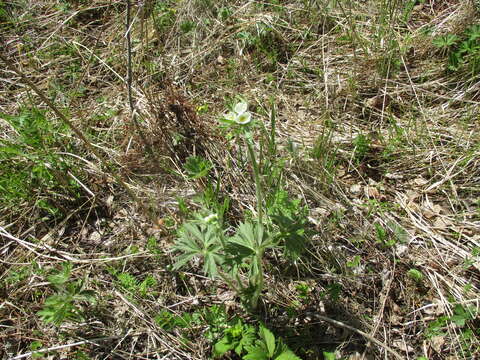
x=252, y=344
x=133, y=286
x=463, y=51
x=416, y=275
x=355, y=262
x=64, y=304
x=197, y=167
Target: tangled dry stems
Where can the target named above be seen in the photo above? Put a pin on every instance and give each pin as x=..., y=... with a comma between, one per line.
x=422, y=166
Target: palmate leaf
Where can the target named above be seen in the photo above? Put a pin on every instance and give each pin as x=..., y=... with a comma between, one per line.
x=211, y=262
x=245, y=236
x=292, y=234
x=251, y=237
x=248, y=240
x=200, y=240
x=242, y=245
x=57, y=309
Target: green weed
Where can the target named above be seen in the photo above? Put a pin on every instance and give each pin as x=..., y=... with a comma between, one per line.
x=187, y=26
x=30, y=168
x=463, y=51
x=383, y=236
x=252, y=343
x=130, y=284
x=362, y=147
x=325, y=152
x=461, y=315
x=263, y=42
x=415, y=275
x=164, y=16
x=197, y=167
x=227, y=334
x=63, y=305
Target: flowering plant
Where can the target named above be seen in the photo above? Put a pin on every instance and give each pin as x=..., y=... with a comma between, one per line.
x=238, y=259
x=240, y=115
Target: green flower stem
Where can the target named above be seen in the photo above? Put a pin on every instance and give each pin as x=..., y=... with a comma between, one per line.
x=258, y=282
x=258, y=185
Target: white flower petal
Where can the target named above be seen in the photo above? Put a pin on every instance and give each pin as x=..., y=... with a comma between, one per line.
x=230, y=116
x=241, y=107
x=243, y=118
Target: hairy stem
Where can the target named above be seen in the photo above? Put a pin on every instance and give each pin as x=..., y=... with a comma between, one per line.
x=258, y=281
x=258, y=185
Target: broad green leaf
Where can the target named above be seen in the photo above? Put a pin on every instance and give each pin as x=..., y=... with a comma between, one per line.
x=221, y=347
x=287, y=355
x=256, y=353
x=269, y=339
x=329, y=355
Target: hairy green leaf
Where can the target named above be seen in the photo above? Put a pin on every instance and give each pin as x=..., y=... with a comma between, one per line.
x=200, y=240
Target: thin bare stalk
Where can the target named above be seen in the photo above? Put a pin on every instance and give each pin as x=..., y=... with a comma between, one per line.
x=133, y=111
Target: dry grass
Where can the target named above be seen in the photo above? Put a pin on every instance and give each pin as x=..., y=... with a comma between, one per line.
x=378, y=139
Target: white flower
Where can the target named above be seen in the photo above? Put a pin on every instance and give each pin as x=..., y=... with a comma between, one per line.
x=240, y=108
x=243, y=118
x=240, y=115
x=210, y=218
x=230, y=116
